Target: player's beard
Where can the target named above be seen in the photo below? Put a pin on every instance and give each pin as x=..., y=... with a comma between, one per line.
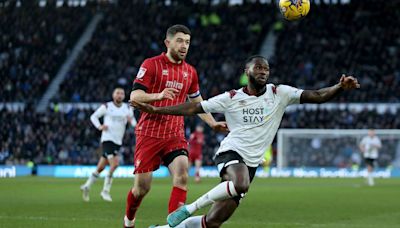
x=257, y=85
x=175, y=55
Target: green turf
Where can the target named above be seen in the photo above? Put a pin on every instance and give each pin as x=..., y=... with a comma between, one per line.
x=48, y=202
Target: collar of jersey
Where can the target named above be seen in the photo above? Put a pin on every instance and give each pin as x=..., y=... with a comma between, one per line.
x=246, y=91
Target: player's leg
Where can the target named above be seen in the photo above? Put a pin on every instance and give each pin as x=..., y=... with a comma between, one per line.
x=175, y=157
x=92, y=178
x=235, y=182
x=147, y=159
x=141, y=187
x=177, y=163
x=197, y=164
x=113, y=160
x=370, y=170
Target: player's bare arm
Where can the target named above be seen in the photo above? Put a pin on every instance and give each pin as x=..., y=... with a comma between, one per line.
x=141, y=96
x=209, y=119
x=325, y=94
x=186, y=109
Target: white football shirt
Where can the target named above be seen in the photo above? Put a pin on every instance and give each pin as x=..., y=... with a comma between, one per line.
x=115, y=118
x=253, y=121
x=371, y=145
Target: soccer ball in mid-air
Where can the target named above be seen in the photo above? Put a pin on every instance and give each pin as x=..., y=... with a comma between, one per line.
x=294, y=9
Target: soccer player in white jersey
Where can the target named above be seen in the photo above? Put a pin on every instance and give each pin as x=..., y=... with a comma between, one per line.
x=116, y=115
x=369, y=147
x=253, y=115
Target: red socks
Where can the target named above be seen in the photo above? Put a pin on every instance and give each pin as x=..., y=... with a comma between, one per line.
x=177, y=199
x=132, y=204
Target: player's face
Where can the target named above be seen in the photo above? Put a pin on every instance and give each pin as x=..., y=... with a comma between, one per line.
x=178, y=45
x=118, y=96
x=371, y=133
x=199, y=129
x=258, y=72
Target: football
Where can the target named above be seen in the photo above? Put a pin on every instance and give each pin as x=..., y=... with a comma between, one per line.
x=294, y=9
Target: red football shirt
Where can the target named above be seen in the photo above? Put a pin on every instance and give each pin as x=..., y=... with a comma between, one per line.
x=196, y=142
x=156, y=74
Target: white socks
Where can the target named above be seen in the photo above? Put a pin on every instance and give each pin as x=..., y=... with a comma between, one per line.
x=222, y=191
x=371, y=179
x=107, y=184
x=90, y=181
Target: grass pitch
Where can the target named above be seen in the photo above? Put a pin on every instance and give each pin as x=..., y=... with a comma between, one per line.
x=48, y=202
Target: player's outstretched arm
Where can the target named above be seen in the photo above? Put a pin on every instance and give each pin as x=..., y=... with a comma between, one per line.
x=185, y=109
x=325, y=94
x=141, y=96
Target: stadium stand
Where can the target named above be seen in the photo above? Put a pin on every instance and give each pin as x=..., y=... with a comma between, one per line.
x=313, y=52
x=73, y=140
x=34, y=45
x=123, y=40
x=308, y=55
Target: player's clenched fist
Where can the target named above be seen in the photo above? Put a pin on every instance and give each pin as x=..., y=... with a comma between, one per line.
x=349, y=82
x=168, y=93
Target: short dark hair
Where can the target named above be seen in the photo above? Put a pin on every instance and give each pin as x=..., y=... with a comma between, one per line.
x=171, y=31
x=253, y=57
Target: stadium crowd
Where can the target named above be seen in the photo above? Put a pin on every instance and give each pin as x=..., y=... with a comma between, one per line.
x=34, y=45
x=124, y=39
x=56, y=137
x=311, y=53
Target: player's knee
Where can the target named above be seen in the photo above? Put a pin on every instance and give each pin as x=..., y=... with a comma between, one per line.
x=141, y=190
x=241, y=187
x=181, y=179
x=213, y=222
x=114, y=167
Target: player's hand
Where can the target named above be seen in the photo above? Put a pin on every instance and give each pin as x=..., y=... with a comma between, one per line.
x=168, y=93
x=220, y=127
x=103, y=127
x=144, y=107
x=348, y=82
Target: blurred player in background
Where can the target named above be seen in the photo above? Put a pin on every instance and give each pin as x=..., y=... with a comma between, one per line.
x=164, y=80
x=369, y=147
x=253, y=115
x=266, y=164
x=196, y=142
x=116, y=115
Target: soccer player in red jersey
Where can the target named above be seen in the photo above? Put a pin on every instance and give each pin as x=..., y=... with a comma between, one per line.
x=196, y=142
x=164, y=80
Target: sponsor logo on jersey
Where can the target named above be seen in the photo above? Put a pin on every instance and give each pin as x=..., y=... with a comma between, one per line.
x=141, y=72
x=253, y=115
x=174, y=84
x=164, y=72
x=185, y=75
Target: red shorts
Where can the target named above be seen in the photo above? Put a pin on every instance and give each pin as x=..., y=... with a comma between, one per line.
x=150, y=151
x=195, y=155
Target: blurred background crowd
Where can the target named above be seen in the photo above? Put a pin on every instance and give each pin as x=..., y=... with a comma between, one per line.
x=309, y=54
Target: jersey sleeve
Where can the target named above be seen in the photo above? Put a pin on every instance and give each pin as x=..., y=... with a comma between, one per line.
x=145, y=76
x=289, y=94
x=194, y=90
x=132, y=117
x=100, y=112
x=217, y=104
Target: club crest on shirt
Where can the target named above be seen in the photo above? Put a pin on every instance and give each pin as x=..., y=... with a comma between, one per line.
x=164, y=72
x=242, y=102
x=185, y=75
x=141, y=73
